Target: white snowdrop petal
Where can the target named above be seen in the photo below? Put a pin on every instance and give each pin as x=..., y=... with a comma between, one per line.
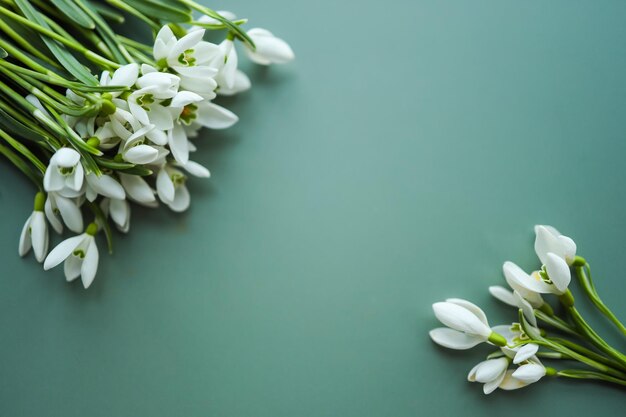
x=215, y=117
x=184, y=98
x=185, y=43
x=503, y=295
x=460, y=318
x=492, y=385
x=39, y=235
x=70, y=213
x=65, y=157
x=107, y=186
x=509, y=383
x=477, y=311
x=119, y=211
x=25, y=241
x=137, y=188
x=196, y=169
x=525, y=352
x=521, y=281
x=125, y=75
x=52, y=217
x=71, y=267
x=62, y=251
x=529, y=373
x=141, y=154
x=181, y=199
x=165, y=187
x=491, y=369
x=90, y=264
x=558, y=271
x=177, y=139
x=453, y=339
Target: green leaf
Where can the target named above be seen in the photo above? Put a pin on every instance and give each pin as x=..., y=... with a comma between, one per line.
x=67, y=60
x=12, y=125
x=71, y=10
x=171, y=11
x=108, y=13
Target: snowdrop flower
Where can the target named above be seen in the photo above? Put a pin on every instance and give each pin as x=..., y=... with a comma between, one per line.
x=171, y=188
x=554, y=280
x=514, y=299
x=35, y=231
x=104, y=185
x=138, y=190
x=119, y=211
x=269, y=48
x=549, y=240
x=189, y=57
x=526, y=374
x=518, y=345
x=191, y=108
x=136, y=151
x=467, y=324
x=64, y=173
x=230, y=79
x=80, y=254
x=59, y=208
x=490, y=372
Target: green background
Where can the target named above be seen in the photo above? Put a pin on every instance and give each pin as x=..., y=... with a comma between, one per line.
x=401, y=159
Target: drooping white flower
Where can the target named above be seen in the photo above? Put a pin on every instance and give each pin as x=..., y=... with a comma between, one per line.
x=467, y=324
x=171, y=188
x=554, y=280
x=104, y=185
x=525, y=352
x=269, y=48
x=490, y=372
x=519, y=346
x=550, y=240
x=65, y=173
x=61, y=210
x=80, y=254
x=35, y=231
x=526, y=374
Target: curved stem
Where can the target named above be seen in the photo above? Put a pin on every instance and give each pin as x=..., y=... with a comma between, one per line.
x=556, y=322
x=578, y=374
x=584, y=277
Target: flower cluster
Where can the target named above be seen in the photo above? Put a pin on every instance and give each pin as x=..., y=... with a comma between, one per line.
x=516, y=363
x=140, y=124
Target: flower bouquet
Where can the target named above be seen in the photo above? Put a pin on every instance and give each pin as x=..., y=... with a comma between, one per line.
x=539, y=331
x=98, y=120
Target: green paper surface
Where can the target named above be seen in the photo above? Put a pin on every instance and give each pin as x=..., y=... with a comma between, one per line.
x=402, y=157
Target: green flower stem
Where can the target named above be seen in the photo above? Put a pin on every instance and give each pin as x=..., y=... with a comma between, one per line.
x=155, y=26
x=580, y=374
x=594, y=338
x=69, y=42
x=18, y=146
x=552, y=355
x=227, y=23
x=556, y=322
x=34, y=90
x=21, y=165
x=32, y=110
x=19, y=39
x=25, y=59
x=137, y=45
x=107, y=34
x=588, y=352
x=538, y=339
x=587, y=284
x=210, y=26
x=20, y=117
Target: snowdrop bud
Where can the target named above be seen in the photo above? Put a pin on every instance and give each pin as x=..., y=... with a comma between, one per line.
x=68, y=210
x=467, y=324
x=490, y=372
x=549, y=240
x=104, y=185
x=269, y=48
x=529, y=373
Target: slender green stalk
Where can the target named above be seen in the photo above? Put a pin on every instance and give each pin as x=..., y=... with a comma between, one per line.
x=556, y=322
x=594, y=338
x=580, y=374
x=584, y=277
x=588, y=352
x=24, y=151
